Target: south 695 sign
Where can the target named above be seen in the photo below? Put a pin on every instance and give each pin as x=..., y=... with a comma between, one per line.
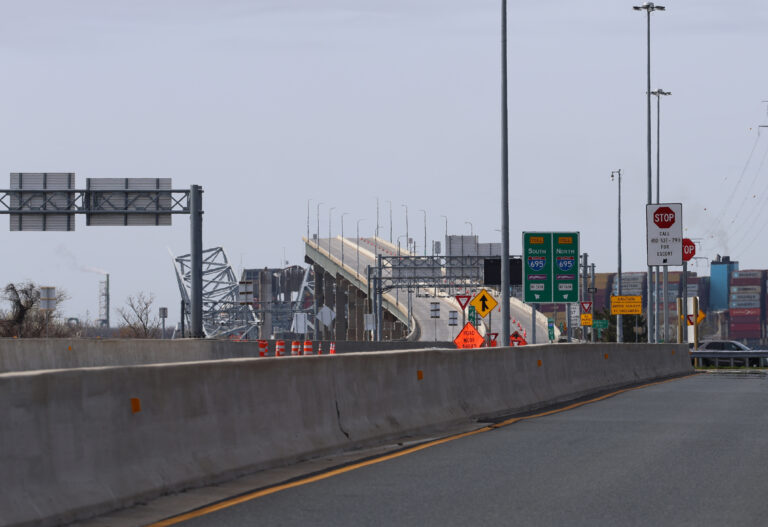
x=665, y=233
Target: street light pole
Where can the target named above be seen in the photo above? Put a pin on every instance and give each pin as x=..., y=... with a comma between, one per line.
x=406, y=228
x=619, y=318
x=665, y=325
x=342, y=238
x=357, y=232
x=504, y=184
x=308, y=201
x=649, y=7
x=446, y=251
x=330, y=213
x=390, y=220
x=471, y=228
x=318, y=224
x=425, y=230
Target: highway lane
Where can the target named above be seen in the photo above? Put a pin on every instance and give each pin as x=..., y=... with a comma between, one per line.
x=519, y=311
x=690, y=451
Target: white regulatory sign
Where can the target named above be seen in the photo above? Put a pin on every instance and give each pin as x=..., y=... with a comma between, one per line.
x=664, y=223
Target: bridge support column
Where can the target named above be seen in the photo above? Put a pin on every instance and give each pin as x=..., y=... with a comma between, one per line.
x=330, y=301
x=340, y=325
x=319, y=298
x=353, y=308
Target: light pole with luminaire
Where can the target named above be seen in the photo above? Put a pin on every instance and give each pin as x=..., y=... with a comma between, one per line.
x=619, y=318
x=445, y=251
x=308, y=201
x=649, y=7
x=342, y=238
x=390, y=220
x=406, y=228
x=357, y=232
x=665, y=325
x=318, y=223
x=471, y=228
x=330, y=213
x=425, y=230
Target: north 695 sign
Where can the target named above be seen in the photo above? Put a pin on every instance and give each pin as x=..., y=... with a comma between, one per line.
x=551, y=267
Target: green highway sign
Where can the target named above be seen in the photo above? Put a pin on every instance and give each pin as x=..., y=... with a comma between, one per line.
x=600, y=324
x=551, y=267
x=472, y=315
x=551, y=328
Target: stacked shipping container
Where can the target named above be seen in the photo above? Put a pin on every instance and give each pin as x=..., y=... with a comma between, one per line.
x=745, y=299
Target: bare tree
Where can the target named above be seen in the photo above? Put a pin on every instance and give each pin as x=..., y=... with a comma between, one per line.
x=137, y=317
x=25, y=318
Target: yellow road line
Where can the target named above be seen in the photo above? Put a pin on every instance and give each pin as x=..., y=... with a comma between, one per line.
x=354, y=466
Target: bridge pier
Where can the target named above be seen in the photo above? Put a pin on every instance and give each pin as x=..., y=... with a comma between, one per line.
x=330, y=301
x=340, y=324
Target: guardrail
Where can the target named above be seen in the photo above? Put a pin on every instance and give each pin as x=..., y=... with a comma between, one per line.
x=751, y=359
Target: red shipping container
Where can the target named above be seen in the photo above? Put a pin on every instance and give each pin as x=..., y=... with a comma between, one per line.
x=746, y=281
x=745, y=327
x=745, y=312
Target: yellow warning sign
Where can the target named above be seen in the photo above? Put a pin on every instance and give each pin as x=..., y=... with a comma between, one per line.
x=484, y=303
x=586, y=319
x=627, y=305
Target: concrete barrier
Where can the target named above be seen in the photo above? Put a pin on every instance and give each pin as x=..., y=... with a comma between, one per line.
x=73, y=444
x=53, y=354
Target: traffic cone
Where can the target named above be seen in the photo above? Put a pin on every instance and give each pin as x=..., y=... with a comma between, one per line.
x=333, y=349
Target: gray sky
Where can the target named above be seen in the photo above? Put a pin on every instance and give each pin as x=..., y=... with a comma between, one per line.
x=267, y=104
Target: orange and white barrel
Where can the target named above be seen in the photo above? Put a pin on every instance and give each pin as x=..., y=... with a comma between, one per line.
x=332, y=350
x=295, y=348
x=280, y=348
x=263, y=348
x=308, y=347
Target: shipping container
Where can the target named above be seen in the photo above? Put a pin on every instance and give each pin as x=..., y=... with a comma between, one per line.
x=745, y=312
x=746, y=289
x=752, y=273
x=746, y=281
x=740, y=297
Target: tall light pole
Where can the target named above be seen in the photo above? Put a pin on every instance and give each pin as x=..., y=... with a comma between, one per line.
x=342, y=238
x=308, y=218
x=619, y=318
x=330, y=213
x=425, y=230
x=649, y=7
x=504, y=184
x=318, y=223
x=390, y=220
x=446, y=251
x=357, y=232
x=406, y=228
x=471, y=228
x=665, y=326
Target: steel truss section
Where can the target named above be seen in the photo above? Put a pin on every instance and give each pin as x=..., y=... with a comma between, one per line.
x=440, y=272
x=222, y=313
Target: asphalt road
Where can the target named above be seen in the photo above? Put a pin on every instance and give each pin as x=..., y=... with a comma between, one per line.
x=421, y=305
x=691, y=451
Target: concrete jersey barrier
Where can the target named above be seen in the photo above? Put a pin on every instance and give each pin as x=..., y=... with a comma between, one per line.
x=79, y=442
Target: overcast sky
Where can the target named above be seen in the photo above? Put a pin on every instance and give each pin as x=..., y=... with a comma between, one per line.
x=268, y=104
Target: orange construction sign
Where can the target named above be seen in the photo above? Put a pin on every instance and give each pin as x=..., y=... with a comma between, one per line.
x=468, y=338
x=516, y=340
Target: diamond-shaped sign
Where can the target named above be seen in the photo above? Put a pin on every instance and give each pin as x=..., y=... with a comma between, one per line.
x=468, y=337
x=326, y=316
x=483, y=303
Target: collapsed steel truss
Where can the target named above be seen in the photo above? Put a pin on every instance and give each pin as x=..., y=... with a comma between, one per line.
x=222, y=313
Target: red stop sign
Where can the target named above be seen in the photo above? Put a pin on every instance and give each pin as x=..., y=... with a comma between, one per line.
x=664, y=217
x=689, y=249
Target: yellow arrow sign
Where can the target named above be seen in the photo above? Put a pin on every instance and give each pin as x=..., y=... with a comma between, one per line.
x=484, y=303
x=699, y=318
